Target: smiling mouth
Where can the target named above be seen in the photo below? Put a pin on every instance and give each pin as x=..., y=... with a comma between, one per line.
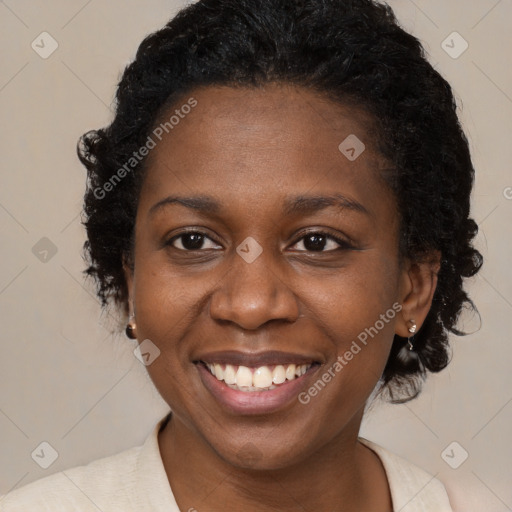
x=262, y=378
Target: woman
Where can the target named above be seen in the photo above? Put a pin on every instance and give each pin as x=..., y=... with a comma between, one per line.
x=281, y=209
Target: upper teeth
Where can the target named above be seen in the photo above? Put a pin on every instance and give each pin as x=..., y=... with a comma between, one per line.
x=256, y=379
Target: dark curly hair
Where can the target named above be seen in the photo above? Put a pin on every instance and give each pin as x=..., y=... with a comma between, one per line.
x=351, y=51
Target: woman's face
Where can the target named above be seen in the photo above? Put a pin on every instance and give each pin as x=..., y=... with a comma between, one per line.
x=272, y=275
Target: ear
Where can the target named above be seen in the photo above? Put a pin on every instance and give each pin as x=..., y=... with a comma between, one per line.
x=418, y=284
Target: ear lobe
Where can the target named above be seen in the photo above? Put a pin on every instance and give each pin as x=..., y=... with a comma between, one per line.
x=420, y=282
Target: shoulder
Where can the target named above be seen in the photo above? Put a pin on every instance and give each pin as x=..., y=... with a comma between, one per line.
x=412, y=488
x=83, y=488
x=131, y=481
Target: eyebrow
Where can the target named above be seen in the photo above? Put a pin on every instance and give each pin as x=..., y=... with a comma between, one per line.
x=302, y=204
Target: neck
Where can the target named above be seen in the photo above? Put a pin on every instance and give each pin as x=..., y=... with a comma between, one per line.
x=343, y=475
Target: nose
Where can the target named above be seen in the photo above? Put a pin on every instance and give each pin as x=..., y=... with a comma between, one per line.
x=252, y=294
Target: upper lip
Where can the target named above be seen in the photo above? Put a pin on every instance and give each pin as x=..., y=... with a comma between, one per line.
x=255, y=359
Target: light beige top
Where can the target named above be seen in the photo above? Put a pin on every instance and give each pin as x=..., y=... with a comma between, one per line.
x=135, y=481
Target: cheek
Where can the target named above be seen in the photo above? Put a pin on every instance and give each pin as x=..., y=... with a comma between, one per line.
x=357, y=310
x=165, y=302
x=166, y=309
x=171, y=311
x=358, y=314
x=352, y=300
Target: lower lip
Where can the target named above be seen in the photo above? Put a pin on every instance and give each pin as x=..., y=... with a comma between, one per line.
x=254, y=402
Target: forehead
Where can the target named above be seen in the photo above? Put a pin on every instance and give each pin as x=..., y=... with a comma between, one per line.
x=258, y=144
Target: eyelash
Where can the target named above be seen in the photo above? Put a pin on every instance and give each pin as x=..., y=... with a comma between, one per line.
x=342, y=243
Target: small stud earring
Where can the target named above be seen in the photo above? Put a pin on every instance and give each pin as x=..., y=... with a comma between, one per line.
x=412, y=330
x=130, y=329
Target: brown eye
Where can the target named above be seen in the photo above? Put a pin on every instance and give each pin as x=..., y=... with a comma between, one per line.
x=319, y=241
x=190, y=241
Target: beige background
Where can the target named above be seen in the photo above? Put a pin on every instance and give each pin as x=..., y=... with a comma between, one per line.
x=66, y=380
